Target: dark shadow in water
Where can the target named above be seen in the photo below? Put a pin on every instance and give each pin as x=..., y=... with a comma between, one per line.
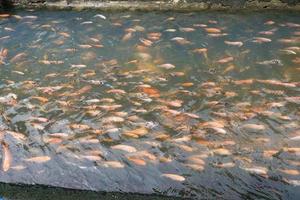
x=18, y=192
x=6, y=5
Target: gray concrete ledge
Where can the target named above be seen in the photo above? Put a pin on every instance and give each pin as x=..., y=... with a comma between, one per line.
x=163, y=5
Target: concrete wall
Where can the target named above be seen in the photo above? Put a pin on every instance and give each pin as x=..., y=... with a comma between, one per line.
x=160, y=4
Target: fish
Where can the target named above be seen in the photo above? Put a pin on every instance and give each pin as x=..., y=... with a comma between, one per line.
x=154, y=36
x=139, y=28
x=277, y=83
x=146, y=42
x=80, y=126
x=113, y=119
x=6, y=157
x=187, y=84
x=81, y=91
x=38, y=159
x=8, y=98
x=64, y=34
x=91, y=157
x=269, y=22
x=60, y=135
x=289, y=40
x=292, y=182
x=100, y=16
x=180, y=40
x=79, y=66
x=212, y=30
x=292, y=25
x=40, y=99
x=126, y=148
x=4, y=15
x=16, y=135
x=110, y=107
x=152, y=92
x=295, y=99
x=186, y=29
x=225, y=165
x=30, y=17
x=200, y=50
x=200, y=25
x=292, y=172
x=137, y=161
x=86, y=22
x=217, y=34
x=261, y=40
x=116, y=91
x=174, y=177
x=256, y=170
x=18, y=72
x=136, y=133
x=195, y=167
x=172, y=103
x=167, y=66
x=225, y=60
x=113, y=164
x=253, y=127
x=275, y=62
x=287, y=52
x=85, y=46
x=18, y=57
x=295, y=138
x=291, y=149
x=234, y=43
x=222, y=152
x=51, y=62
x=170, y=30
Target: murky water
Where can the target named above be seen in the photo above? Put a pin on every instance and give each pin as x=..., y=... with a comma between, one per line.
x=184, y=104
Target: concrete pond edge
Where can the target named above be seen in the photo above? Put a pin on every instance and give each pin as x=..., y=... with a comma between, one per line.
x=163, y=5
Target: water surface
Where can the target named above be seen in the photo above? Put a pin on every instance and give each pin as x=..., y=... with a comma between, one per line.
x=195, y=105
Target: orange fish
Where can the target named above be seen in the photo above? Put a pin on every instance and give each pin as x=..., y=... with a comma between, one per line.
x=6, y=158
x=225, y=60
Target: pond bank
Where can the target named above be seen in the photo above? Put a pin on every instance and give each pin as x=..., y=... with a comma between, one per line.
x=20, y=192
x=178, y=5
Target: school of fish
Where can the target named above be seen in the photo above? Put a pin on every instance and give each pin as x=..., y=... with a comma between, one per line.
x=118, y=91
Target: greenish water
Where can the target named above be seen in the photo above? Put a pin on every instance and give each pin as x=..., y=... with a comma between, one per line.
x=195, y=105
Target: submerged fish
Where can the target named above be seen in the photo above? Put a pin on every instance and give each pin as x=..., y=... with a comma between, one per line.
x=6, y=156
x=174, y=177
x=123, y=147
x=234, y=43
x=275, y=62
x=100, y=16
x=38, y=159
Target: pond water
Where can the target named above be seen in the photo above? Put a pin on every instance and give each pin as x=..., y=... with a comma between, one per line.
x=195, y=105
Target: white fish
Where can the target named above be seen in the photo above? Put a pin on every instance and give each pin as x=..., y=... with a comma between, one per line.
x=113, y=164
x=18, y=72
x=100, y=16
x=93, y=101
x=8, y=98
x=293, y=182
x=126, y=148
x=253, y=127
x=234, y=43
x=271, y=62
x=174, y=177
x=87, y=22
x=79, y=66
x=296, y=138
x=167, y=66
x=256, y=170
x=170, y=30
